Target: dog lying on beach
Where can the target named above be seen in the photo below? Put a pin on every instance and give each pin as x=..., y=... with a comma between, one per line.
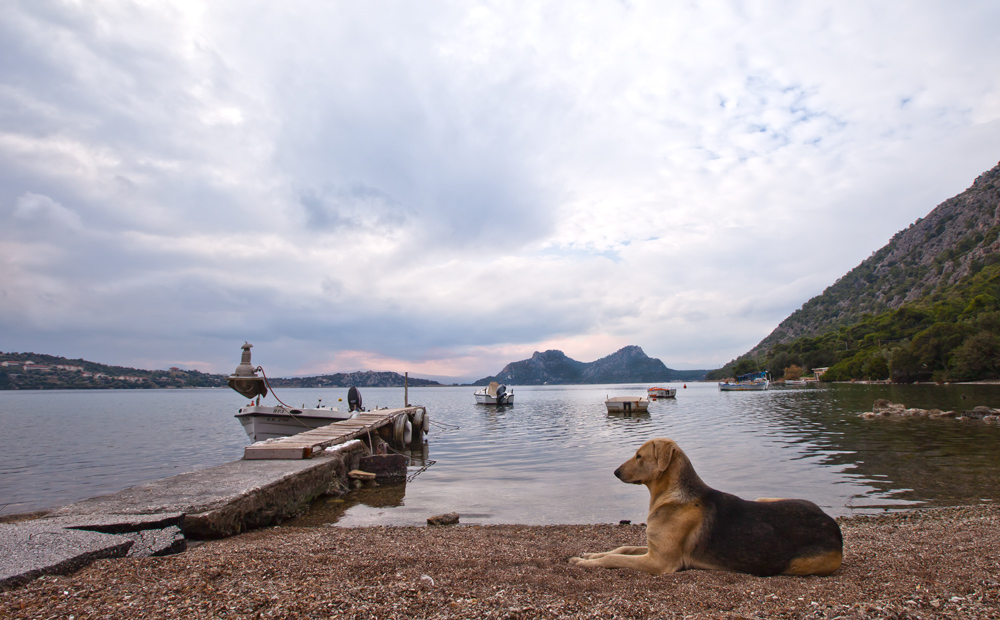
x=691, y=525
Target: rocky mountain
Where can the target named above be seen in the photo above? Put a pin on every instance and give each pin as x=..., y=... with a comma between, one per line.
x=926, y=307
x=627, y=365
x=936, y=253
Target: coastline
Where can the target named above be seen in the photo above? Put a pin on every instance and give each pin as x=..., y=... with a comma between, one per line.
x=922, y=563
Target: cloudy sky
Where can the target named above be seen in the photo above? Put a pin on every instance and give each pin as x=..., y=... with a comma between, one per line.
x=444, y=187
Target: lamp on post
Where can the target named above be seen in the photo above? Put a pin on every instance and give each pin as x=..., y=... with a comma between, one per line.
x=244, y=379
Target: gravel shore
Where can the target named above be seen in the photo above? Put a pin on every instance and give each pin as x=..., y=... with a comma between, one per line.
x=923, y=564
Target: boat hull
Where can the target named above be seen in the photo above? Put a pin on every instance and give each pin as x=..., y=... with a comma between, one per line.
x=261, y=423
x=662, y=392
x=486, y=399
x=743, y=387
x=622, y=404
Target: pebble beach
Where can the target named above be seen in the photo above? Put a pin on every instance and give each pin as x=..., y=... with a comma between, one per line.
x=942, y=562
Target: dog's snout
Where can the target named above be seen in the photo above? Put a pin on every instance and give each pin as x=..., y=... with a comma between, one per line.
x=618, y=473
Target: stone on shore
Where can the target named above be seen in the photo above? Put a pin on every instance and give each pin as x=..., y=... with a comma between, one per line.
x=883, y=408
x=449, y=518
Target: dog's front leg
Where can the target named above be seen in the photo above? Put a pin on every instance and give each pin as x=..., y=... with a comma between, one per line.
x=618, y=551
x=647, y=563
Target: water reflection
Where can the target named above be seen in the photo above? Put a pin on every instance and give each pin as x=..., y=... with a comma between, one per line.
x=327, y=510
x=894, y=462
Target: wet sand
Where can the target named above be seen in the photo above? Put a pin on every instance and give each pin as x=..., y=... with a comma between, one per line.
x=932, y=563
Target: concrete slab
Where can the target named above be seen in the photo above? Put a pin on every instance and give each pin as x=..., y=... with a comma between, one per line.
x=31, y=549
x=155, y=543
x=117, y=523
x=230, y=498
x=157, y=518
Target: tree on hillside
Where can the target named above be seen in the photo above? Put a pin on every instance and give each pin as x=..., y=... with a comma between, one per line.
x=977, y=358
x=744, y=366
x=793, y=373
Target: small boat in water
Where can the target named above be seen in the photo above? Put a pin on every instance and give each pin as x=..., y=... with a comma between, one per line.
x=627, y=404
x=660, y=392
x=750, y=382
x=267, y=422
x=495, y=394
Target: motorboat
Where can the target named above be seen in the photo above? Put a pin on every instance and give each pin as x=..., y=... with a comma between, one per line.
x=264, y=422
x=750, y=382
x=661, y=392
x=267, y=422
x=495, y=394
x=627, y=404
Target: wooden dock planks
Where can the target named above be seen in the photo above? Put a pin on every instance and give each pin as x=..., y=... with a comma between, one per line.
x=304, y=445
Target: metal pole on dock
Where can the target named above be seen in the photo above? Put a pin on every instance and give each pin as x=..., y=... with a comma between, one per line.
x=406, y=389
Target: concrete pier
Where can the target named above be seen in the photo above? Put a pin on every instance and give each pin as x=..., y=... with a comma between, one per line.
x=158, y=518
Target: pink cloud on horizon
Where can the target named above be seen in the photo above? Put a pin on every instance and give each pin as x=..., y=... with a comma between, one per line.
x=476, y=362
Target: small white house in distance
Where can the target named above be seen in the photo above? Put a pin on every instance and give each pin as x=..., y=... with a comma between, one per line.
x=819, y=371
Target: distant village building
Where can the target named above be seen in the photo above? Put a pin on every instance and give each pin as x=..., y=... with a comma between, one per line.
x=37, y=367
x=10, y=363
x=129, y=378
x=819, y=371
x=70, y=368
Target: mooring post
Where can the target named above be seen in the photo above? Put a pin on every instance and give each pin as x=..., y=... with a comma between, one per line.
x=406, y=389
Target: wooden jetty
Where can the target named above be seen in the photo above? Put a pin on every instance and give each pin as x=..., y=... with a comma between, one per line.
x=306, y=444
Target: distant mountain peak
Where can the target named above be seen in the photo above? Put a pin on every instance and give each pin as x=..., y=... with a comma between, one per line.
x=629, y=364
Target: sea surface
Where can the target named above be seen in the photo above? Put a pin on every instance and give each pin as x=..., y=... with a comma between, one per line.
x=546, y=459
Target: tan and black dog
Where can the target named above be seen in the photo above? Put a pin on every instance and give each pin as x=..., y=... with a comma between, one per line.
x=691, y=525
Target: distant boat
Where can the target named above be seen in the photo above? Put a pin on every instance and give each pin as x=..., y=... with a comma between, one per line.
x=495, y=394
x=750, y=382
x=626, y=404
x=660, y=392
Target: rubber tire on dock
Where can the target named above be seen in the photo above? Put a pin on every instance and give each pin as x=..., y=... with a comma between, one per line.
x=402, y=430
x=421, y=420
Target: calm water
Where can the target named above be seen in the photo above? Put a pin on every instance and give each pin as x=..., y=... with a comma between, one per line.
x=547, y=459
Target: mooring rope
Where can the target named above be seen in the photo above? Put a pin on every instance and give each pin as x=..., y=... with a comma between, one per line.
x=445, y=425
x=268, y=384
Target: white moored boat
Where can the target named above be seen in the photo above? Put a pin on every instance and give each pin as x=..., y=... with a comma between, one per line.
x=267, y=422
x=495, y=394
x=660, y=392
x=264, y=422
x=627, y=404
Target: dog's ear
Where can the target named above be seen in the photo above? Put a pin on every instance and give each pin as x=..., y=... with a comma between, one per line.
x=664, y=454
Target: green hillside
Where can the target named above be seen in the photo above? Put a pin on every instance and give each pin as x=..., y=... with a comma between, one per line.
x=924, y=307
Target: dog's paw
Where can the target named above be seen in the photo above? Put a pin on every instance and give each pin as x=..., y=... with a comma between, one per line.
x=576, y=560
x=592, y=556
